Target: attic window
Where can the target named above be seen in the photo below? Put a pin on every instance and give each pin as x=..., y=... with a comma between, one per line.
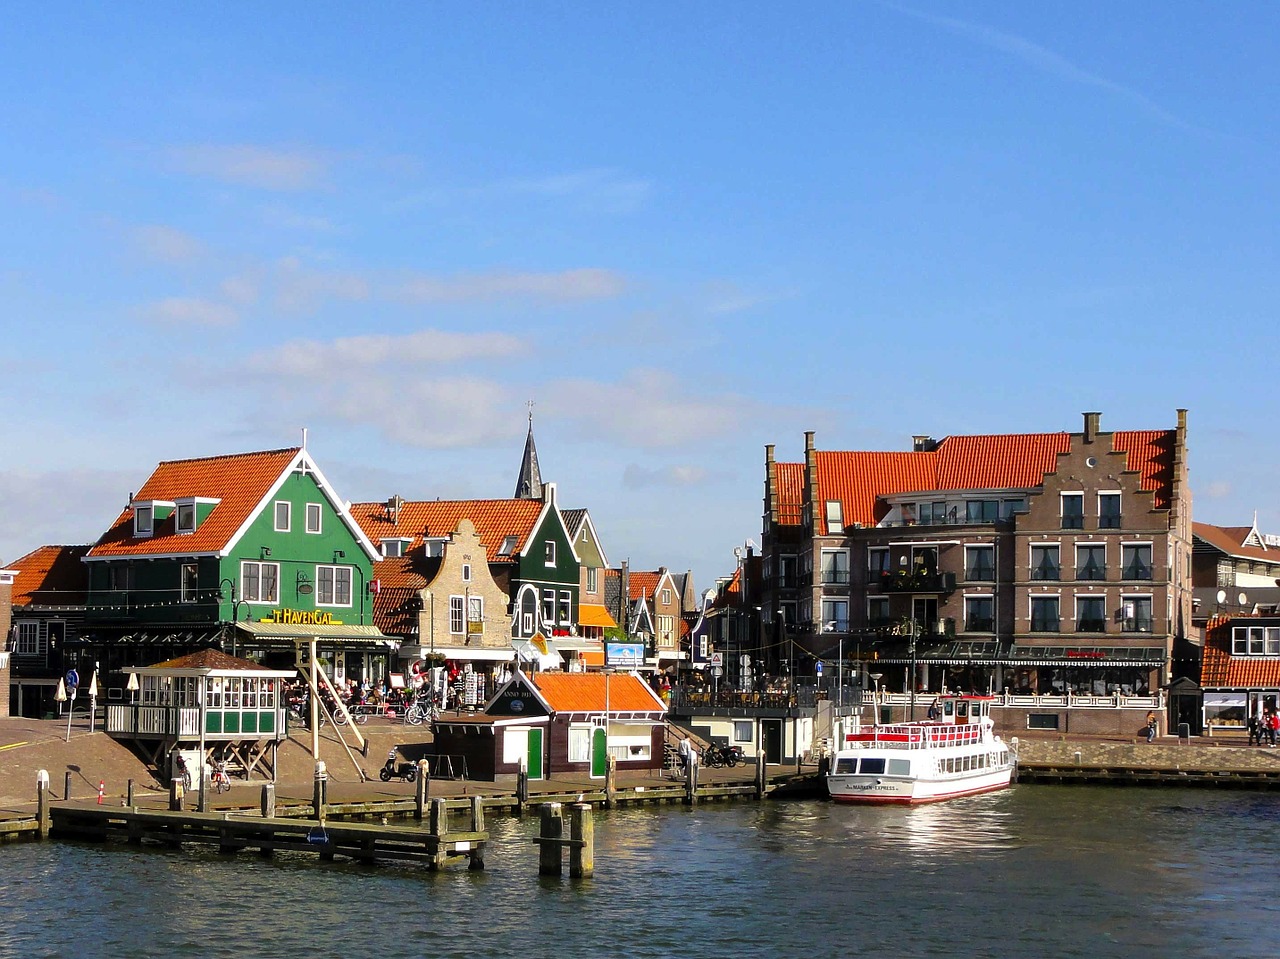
x=143, y=519
x=551, y=552
x=434, y=547
x=835, y=517
x=392, y=548
x=508, y=546
x=187, y=518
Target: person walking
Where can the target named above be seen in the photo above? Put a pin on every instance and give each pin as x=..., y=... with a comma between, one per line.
x=1273, y=727
x=1151, y=727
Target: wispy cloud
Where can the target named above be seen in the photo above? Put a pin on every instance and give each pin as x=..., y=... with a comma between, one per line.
x=642, y=477
x=601, y=190
x=1218, y=489
x=299, y=288
x=168, y=244
x=364, y=355
x=1044, y=60
x=249, y=165
x=565, y=286
x=180, y=311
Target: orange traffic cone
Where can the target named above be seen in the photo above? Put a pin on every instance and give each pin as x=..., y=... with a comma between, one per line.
x=101, y=788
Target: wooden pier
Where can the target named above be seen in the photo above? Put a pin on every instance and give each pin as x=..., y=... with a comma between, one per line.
x=435, y=846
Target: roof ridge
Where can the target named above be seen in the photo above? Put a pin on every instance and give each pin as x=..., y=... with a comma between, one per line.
x=232, y=456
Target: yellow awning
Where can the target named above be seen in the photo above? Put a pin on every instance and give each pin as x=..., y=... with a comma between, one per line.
x=591, y=614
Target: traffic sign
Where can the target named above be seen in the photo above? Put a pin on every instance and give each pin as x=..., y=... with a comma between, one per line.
x=818, y=667
x=717, y=659
x=717, y=671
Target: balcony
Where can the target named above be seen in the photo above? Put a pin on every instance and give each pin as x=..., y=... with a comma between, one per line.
x=835, y=577
x=904, y=581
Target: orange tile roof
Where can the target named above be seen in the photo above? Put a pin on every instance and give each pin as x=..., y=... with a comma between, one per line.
x=642, y=583
x=1230, y=540
x=790, y=485
x=585, y=693
x=1219, y=669
x=51, y=576
x=1013, y=461
x=494, y=519
x=240, y=481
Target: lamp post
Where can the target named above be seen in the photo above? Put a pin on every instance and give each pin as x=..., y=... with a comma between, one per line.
x=875, y=699
x=915, y=631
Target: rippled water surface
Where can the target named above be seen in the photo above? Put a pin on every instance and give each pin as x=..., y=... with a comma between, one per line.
x=1033, y=871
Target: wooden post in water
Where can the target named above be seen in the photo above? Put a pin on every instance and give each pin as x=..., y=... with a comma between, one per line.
x=129, y=795
x=66, y=788
x=203, y=802
x=582, y=853
x=610, y=782
x=438, y=826
x=267, y=805
x=42, y=803
x=320, y=793
x=691, y=783
x=550, y=832
x=761, y=778
x=176, y=794
x=422, y=790
x=477, y=825
x=522, y=788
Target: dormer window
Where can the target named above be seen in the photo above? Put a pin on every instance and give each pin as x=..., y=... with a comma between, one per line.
x=143, y=521
x=433, y=548
x=551, y=552
x=835, y=517
x=508, y=545
x=186, y=517
x=395, y=547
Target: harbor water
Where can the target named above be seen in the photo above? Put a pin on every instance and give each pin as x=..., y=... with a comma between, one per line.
x=1031, y=871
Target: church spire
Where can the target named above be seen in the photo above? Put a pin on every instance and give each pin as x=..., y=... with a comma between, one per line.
x=529, y=485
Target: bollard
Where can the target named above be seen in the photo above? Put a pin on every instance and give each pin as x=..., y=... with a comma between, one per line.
x=550, y=832
x=129, y=795
x=42, y=803
x=422, y=790
x=319, y=794
x=691, y=783
x=66, y=788
x=522, y=789
x=102, y=788
x=268, y=803
x=761, y=776
x=176, y=795
x=437, y=827
x=582, y=851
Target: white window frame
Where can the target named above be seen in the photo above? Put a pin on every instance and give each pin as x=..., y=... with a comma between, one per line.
x=666, y=597
x=392, y=548
x=283, y=527
x=318, y=513
x=1062, y=503
x=333, y=587
x=565, y=607
x=975, y=547
x=188, y=595
x=549, y=553
x=841, y=623
x=547, y=610
x=475, y=609
x=256, y=595
x=466, y=572
x=1151, y=559
x=1118, y=494
x=1095, y=597
x=139, y=527
x=1031, y=605
x=1091, y=544
x=457, y=615
x=593, y=579
x=190, y=510
x=835, y=562
x=1125, y=599
x=834, y=516
x=579, y=745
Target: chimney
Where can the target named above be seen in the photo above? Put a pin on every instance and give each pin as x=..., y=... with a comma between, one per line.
x=808, y=441
x=923, y=443
x=1091, y=423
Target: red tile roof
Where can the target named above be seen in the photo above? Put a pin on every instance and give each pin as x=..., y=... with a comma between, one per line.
x=1220, y=670
x=585, y=693
x=790, y=485
x=209, y=659
x=641, y=584
x=51, y=576
x=1230, y=540
x=240, y=481
x=494, y=519
x=1013, y=461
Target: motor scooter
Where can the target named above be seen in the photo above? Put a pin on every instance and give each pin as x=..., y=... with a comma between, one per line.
x=392, y=769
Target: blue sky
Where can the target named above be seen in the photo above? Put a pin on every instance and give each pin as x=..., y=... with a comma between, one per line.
x=682, y=231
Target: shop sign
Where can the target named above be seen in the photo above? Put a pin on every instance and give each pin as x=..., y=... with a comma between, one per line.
x=302, y=617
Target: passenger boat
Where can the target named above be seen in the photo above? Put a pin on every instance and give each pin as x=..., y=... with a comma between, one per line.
x=957, y=754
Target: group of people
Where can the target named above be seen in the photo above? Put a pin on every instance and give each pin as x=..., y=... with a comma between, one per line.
x=1263, y=728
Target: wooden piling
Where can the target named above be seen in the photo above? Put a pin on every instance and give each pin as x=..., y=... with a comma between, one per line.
x=320, y=790
x=129, y=795
x=691, y=784
x=267, y=804
x=582, y=849
x=761, y=777
x=177, y=794
x=610, y=782
x=438, y=826
x=477, y=825
x=66, y=787
x=422, y=790
x=550, y=832
x=42, y=804
x=522, y=789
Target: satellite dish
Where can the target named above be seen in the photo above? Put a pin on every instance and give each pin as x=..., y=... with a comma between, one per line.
x=1242, y=599
x=1222, y=595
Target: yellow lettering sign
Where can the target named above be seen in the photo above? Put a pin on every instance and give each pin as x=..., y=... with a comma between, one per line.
x=303, y=617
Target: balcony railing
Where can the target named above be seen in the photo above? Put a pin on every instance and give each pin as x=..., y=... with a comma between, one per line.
x=904, y=581
x=1138, y=624
x=835, y=577
x=1091, y=571
x=1137, y=571
x=1047, y=571
x=1045, y=624
x=1111, y=521
x=1091, y=626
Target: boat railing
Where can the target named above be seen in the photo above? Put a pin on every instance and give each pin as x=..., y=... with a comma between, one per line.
x=918, y=736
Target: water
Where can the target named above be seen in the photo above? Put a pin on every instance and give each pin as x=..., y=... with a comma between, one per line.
x=1033, y=871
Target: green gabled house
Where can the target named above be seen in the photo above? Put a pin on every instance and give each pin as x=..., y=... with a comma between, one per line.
x=252, y=553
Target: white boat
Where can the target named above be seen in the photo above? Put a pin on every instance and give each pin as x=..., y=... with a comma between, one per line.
x=957, y=754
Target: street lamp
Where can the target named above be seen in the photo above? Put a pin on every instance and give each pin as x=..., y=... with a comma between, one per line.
x=915, y=631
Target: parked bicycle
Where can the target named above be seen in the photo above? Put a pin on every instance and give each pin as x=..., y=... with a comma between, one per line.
x=359, y=712
x=422, y=709
x=219, y=778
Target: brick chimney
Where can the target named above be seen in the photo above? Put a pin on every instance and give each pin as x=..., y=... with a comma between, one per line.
x=1092, y=422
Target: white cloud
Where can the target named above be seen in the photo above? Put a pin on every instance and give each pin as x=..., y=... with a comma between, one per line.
x=366, y=355
x=603, y=190
x=1218, y=489
x=300, y=289
x=242, y=289
x=640, y=477
x=168, y=244
x=565, y=286
x=189, y=311
x=256, y=166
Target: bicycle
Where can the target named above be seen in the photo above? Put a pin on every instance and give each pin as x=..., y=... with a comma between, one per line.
x=357, y=712
x=421, y=712
x=219, y=778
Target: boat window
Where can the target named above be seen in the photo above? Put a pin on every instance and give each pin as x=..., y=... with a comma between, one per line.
x=872, y=765
x=899, y=767
x=846, y=765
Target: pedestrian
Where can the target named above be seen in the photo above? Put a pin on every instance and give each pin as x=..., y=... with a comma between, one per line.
x=1151, y=727
x=687, y=756
x=1254, y=738
x=1273, y=727
x=934, y=712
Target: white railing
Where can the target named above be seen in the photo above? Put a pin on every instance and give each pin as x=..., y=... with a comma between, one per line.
x=1072, y=701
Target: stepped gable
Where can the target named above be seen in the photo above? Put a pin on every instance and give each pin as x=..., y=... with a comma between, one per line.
x=239, y=481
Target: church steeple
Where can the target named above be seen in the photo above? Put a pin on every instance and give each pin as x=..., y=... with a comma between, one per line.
x=529, y=485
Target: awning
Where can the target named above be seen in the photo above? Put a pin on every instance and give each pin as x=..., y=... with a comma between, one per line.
x=348, y=634
x=591, y=614
x=567, y=644
x=1025, y=655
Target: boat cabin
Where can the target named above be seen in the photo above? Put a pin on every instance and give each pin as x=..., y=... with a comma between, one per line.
x=962, y=709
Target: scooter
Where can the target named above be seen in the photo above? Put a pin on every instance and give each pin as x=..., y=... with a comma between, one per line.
x=392, y=769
